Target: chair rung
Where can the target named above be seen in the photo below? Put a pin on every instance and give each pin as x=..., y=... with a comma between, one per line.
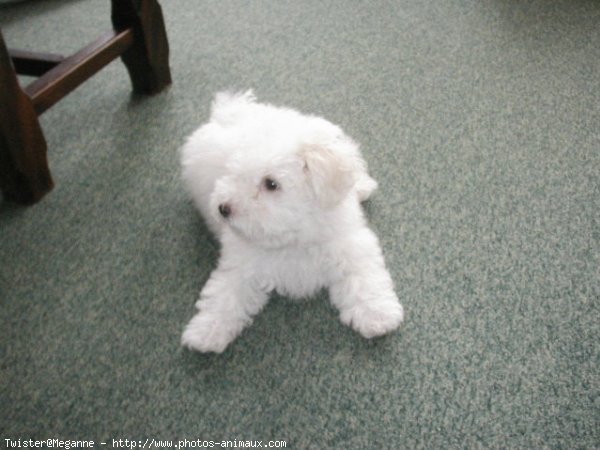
x=32, y=63
x=72, y=71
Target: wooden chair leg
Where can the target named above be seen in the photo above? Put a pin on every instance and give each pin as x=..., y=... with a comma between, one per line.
x=147, y=60
x=24, y=174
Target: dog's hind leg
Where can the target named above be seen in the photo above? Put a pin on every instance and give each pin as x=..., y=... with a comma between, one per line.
x=365, y=187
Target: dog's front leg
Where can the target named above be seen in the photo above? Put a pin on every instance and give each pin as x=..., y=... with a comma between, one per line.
x=226, y=306
x=364, y=291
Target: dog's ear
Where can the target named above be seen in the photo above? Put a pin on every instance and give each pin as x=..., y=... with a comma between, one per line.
x=331, y=173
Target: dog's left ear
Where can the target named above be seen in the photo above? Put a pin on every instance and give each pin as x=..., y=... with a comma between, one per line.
x=331, y=172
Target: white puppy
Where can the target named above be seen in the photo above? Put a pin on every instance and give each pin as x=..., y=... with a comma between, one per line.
x=282, y=192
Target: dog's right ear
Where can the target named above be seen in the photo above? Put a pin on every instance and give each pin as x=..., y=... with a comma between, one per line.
x=330, y=172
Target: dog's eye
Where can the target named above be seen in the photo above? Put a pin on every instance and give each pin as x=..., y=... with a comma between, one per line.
x=270, y=184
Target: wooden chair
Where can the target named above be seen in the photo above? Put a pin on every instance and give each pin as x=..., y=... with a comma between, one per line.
x=139, y=38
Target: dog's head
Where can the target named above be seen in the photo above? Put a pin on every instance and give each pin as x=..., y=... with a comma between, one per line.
x=287, y=180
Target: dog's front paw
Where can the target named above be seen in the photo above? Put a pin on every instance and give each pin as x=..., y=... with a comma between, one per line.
x=209, y=333
x=374, y=318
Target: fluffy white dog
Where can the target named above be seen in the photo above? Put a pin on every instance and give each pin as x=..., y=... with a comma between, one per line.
x=282, y=192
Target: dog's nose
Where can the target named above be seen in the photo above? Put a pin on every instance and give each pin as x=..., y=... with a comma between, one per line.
x=224, y=210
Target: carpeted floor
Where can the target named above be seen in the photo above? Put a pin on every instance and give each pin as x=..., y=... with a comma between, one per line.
x=481, y=121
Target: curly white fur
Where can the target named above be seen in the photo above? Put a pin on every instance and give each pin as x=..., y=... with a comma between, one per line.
x=282, y=192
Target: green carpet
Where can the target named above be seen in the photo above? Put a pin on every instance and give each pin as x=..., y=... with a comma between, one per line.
x=480, y=120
